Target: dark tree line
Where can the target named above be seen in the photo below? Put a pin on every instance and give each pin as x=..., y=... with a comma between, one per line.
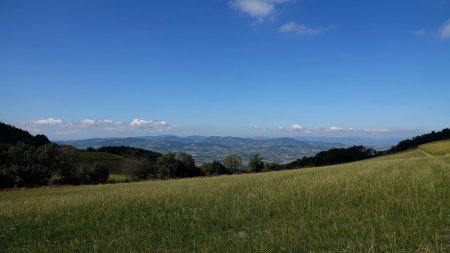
x=11, y=135
x=334, y=156
x=171, y=165
x=419, y=140
x=23, y=165
x=31, y=161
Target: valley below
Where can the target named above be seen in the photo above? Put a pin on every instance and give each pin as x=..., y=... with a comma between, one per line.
x=206, y=149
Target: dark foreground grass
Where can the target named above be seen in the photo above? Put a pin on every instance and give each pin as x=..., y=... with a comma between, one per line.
x=391, y=204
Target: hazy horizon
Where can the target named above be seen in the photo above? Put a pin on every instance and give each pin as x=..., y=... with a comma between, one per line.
x=299, y=137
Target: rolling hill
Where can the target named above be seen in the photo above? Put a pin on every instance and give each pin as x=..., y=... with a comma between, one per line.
x=119, y=160
x=116, y=164
x=392, y=203
x=436, y=148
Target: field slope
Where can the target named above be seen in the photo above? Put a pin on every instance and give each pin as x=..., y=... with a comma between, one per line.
x=116, y=164
x=436, y=148
x=396, y=203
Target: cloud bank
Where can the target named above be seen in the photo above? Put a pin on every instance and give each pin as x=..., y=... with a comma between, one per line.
x=332, y=131
x=48, y=121
x=87, y=128
x=57, y=129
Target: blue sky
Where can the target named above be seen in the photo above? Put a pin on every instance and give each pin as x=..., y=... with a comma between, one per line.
x=80, y=69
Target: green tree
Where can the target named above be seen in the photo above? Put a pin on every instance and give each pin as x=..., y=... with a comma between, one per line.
x=188, y=168
x=47, y=155
x=214, y=168
x=25, y=166
x=271, y=166
x=146, y=169
x=256, y=164
x=167, y=165
x=68, y=164
x=99, y=174
x=8, y=177
x=232, y=163
x=40, y=140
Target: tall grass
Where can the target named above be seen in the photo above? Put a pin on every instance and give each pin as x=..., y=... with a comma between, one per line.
x=437, y=148
x=397, y=203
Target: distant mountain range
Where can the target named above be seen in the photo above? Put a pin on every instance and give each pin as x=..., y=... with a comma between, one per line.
x=202, y=148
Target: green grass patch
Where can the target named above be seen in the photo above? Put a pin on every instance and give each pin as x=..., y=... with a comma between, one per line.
x=117, y=177
x=93, y=156
x=398, y=203
x=436, y=148
x=116, y=164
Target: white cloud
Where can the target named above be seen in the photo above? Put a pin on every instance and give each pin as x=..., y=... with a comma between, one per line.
x=300, y=29
x=56, y=128
x=444, y=31
x=151, y=125
x=377, y=131
x=258, y=9
x=140, y=122
x=49, y=121
x=93, y=122
x=296, y=127
x=335, y=129
x=88, y=122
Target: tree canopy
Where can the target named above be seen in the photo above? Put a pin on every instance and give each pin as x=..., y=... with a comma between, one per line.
x=12, y=135
x=421, y=139
x=334, y=156
x=256, y=164
x=232, y=163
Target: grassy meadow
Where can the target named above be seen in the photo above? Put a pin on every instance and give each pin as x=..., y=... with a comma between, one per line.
x=116, y=164
x=396, y=203
x=436, y=148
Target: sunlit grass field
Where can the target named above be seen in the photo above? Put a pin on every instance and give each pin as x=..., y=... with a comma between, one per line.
x=397, y=203
x=437, y=148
